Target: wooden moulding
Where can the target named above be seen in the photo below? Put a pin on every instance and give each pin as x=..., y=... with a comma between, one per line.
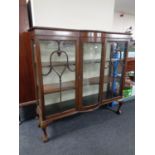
x=82, y=33
x=23, y=104
x=106, y=101
x=130, y=64
x=56, y=32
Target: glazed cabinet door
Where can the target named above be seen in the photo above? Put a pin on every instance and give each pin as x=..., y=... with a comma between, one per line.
x=116, y=52
x=91, y=60
x=58, y=74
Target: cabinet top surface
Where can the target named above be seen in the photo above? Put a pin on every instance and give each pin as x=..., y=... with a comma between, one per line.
x=77, y=30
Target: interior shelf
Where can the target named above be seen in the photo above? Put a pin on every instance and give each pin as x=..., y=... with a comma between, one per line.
x=62, y=63
x=53, y=88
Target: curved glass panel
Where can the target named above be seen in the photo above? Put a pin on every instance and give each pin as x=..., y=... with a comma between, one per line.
x=91, y=72
x=113, y=71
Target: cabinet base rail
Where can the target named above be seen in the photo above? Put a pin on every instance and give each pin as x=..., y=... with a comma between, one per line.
x=44, y=124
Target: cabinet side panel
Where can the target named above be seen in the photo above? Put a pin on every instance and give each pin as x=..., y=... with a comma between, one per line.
x=26, y=79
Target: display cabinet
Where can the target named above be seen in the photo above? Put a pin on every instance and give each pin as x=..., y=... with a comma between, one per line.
x=76, y=71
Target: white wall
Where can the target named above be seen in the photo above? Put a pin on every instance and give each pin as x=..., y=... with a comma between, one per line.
x=120, y=24
x=76, y=14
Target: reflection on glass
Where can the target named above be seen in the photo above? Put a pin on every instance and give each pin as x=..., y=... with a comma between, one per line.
x=113, y=69
x=131, y=49
x=91, y=72
x=58, y=73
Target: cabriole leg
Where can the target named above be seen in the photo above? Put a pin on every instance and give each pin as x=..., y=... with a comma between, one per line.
x=45, y=136
x=39, y=125
x=119, y=108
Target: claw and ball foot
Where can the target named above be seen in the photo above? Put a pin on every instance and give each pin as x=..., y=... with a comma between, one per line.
x=39, y=125
x=45, y=136
x=119, y=108
x=118, y=112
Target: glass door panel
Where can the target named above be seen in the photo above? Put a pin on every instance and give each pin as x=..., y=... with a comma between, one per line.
x=113, y=71
x=91, y=72
x=58, y=73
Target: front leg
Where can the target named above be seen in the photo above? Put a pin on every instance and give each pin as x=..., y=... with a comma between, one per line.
x=45, y=136
x=119, y=108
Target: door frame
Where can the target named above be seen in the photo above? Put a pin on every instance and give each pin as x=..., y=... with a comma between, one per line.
x=38, y=65
x=93, y=39
x=118, y=38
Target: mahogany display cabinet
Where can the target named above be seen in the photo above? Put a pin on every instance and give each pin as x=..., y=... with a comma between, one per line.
x=76, y=71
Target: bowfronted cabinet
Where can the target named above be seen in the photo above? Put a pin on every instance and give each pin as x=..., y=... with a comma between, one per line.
x=76, y=71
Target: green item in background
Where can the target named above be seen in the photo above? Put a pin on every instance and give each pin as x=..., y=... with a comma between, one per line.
x=131, y=73
x=127, y=92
